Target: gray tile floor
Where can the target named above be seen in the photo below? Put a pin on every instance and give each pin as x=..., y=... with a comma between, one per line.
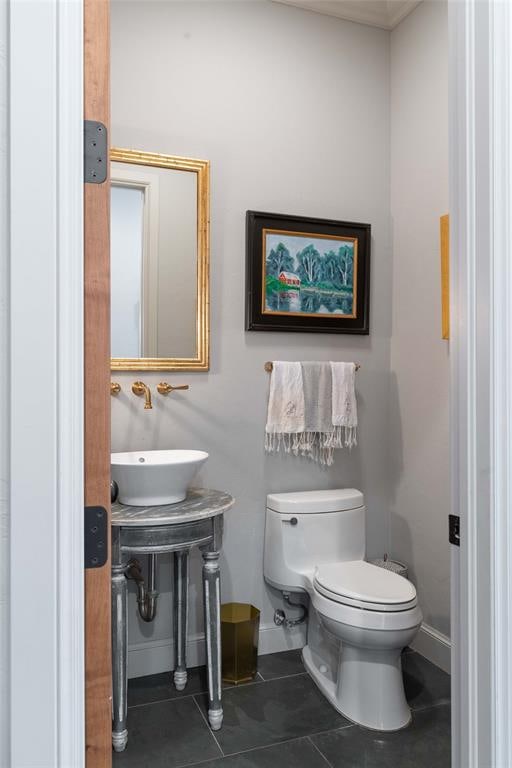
x=281, y=720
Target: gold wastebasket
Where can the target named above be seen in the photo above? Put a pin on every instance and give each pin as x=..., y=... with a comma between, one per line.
x=240, y=623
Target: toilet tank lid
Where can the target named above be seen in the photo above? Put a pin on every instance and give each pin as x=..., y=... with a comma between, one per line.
x=313, y=502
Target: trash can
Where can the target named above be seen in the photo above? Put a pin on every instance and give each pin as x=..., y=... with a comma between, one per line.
x=391, y=565
x=240, y=623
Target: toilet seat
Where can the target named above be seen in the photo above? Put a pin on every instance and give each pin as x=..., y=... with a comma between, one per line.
x=362, y=585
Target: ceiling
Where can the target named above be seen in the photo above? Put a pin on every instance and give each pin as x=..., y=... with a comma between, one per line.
x=385, y=14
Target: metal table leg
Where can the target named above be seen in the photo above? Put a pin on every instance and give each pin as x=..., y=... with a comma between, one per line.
x=119, y=646
x=211, y=590
x=180, y=617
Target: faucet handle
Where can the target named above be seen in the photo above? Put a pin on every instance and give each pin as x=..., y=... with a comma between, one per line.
x=164, y=388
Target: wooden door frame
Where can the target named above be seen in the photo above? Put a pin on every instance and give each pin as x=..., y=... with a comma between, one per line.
x=98, y=664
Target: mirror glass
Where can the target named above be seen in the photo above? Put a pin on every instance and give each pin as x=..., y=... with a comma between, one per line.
x=159, y=261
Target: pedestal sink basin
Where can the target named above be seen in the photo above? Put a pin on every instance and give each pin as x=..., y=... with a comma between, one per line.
x=149, y=478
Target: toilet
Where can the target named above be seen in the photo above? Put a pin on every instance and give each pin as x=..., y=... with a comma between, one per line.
x=360, y=616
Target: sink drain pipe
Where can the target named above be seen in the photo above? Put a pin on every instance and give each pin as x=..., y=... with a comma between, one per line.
x=146, y=596
x=280, y=616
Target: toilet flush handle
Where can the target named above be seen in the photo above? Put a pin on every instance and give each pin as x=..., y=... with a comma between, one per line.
x=292, y=521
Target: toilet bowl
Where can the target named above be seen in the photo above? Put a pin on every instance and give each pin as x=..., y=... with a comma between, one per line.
x=361, y=616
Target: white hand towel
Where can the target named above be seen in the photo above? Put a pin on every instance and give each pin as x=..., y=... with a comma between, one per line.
x=319, y=437
x=285, y=418
x=344, y=405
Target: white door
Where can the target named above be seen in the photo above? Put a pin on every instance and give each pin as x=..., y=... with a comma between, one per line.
x=481, y=381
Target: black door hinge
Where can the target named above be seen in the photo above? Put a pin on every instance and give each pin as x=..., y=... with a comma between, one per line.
x=95, y=537
x=95, y=152
x=454, y=529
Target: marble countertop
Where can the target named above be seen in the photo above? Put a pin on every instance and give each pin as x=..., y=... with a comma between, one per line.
x=200, y=504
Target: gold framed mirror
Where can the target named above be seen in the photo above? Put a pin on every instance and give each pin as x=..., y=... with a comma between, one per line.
x=160, y=282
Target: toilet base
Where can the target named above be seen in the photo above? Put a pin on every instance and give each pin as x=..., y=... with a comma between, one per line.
x=369, y=688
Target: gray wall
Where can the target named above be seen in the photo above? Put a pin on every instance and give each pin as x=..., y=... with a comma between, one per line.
x=292, y=110
x=419, y=425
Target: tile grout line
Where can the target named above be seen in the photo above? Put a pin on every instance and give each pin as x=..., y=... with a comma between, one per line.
x=412, y=707
x=188, y=695
x=333, y=730
x=432, y=706
x=208, y=726
x=288, y=741
x=246, y=751
x=163, y=701
x=319, y=752
x=284, y=677
x=225, y=690
x=266, y=746
x=198, y=762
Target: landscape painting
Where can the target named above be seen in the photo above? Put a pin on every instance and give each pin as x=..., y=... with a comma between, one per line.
x=306, y=274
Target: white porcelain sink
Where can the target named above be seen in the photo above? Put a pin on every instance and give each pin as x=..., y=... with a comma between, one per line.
x=148, y=478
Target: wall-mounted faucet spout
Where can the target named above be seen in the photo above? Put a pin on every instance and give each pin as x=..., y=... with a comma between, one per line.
x=146, y=596
x=139, y=388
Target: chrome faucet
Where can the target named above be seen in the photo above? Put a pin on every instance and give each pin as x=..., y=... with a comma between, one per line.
x=139, y=388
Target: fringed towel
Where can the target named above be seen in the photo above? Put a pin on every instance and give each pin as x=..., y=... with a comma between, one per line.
x=312, y=409
x=318, y=443
x=344, y=405
x=285, y=419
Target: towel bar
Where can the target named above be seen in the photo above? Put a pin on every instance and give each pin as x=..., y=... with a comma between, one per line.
x=269, y=365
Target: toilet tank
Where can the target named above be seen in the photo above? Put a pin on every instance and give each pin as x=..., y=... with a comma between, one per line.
x=308, y=528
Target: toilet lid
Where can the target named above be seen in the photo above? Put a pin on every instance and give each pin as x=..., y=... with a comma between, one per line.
x=365, y=586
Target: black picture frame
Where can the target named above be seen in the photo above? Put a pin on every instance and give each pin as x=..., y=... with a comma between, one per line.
x=263, y=288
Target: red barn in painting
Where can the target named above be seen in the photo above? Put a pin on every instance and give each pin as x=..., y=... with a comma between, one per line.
x=289, y=278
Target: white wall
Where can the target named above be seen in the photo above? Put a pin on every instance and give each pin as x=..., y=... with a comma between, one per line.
x=419, y=357
x=292, y=110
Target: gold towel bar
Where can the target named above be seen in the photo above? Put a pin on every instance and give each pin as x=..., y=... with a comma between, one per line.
x=269, y=366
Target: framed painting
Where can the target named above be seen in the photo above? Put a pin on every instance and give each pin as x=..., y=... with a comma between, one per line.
x=305, y=274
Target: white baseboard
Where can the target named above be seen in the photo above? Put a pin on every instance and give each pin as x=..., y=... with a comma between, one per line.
x=434, y=646
x=154, y=656
x=273, y=639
